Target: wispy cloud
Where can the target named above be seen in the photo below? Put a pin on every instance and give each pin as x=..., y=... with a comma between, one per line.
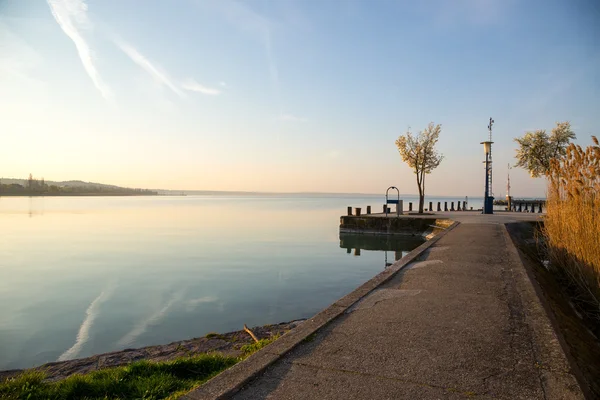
x=17, y=58
x=146, y=65
x=291, y=118
x=161, y=76
x=83, y=334
x=71, y=16
x=153, y=319
x=194, y=86
x=242, y=16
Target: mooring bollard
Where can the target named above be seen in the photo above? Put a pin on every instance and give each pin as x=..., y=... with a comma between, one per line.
x=368, y=209
x=349, y=210
x=452, y=206
x=445, y=206
x=458, y=206
x=357, y=211
x=410, y=206
x=430, y=206
x=540, y=209
x=439, y=206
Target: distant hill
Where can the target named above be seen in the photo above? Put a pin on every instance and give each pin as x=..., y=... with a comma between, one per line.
x=22, y=187
x=75, y=183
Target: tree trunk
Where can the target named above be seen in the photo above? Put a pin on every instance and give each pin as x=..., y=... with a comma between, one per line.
x=422, y=194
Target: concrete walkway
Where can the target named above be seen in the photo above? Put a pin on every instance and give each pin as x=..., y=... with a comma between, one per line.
x=461, y=321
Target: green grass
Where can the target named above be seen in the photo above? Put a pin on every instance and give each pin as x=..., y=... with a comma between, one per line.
x=248, y=349
x=213, y=335
x=139, y=380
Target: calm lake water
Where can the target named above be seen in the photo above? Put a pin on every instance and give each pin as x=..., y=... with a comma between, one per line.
x=87, y=275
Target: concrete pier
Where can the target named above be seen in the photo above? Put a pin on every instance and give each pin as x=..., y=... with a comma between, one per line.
x=456, y=318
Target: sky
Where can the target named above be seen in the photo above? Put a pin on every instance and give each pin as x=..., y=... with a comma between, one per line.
x=289, y=95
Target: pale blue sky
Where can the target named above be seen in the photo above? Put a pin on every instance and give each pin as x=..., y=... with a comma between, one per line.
x=288, y=95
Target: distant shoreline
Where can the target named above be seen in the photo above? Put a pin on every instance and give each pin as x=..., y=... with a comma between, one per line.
x=76, y=194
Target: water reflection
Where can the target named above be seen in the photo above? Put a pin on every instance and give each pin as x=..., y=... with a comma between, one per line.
x=398, y=245
x=88, y=275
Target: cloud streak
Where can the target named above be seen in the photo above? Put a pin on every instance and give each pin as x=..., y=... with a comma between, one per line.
x=161, y=76
x=147, y=66
x=83, y=334
x=71, y=16
x=241, y=15
x=194, y=86
x=153, y=319
x=17, y=58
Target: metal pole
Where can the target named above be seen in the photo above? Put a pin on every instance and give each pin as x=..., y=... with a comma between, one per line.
x=490, y=191
x=487, y=179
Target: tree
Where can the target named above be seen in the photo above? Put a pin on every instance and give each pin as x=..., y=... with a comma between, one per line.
x=536, y=149
x=420, y=154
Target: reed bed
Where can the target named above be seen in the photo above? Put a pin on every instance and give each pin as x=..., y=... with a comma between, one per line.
x=572, y=224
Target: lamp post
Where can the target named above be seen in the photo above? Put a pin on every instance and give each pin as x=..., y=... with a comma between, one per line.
x=488, y=200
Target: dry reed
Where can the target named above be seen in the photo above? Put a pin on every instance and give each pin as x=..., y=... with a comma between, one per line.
x=572, y=224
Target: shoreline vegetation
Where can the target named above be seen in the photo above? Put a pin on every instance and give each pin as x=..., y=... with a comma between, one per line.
x=572, y=223
x=33, y=187
x=154, y=372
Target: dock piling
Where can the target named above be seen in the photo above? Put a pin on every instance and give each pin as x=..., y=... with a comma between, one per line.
x=357, y=211
x=349, y=210
x=368, y=209
x=452, y=206
x=430, y=206
x=439, y=207
x=445, y=206
x=410, y=206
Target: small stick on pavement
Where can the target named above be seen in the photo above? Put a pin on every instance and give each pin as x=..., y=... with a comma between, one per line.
x=250, y=333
